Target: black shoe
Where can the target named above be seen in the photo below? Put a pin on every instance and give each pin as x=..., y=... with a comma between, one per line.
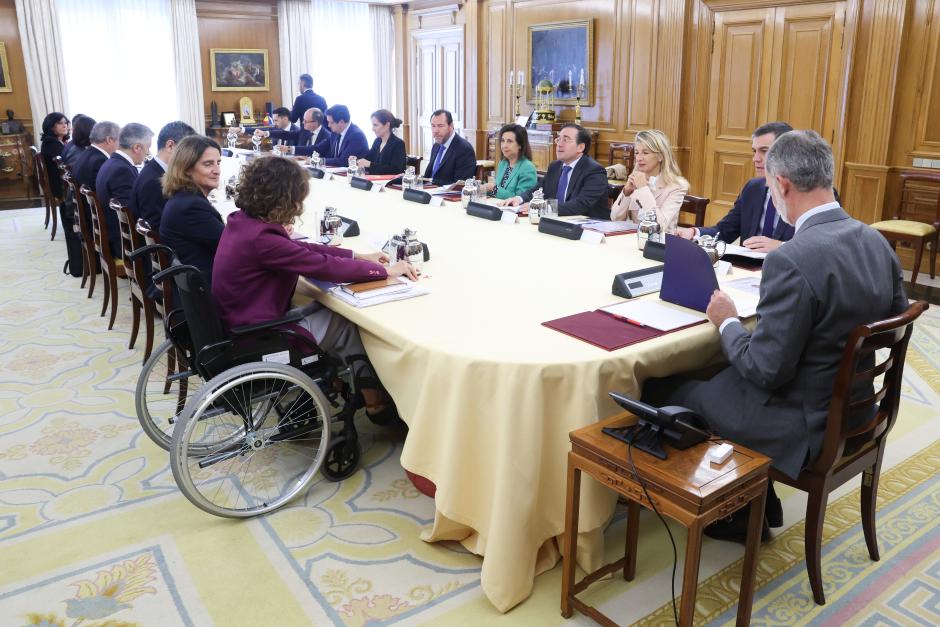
x=387, y=417
x=773, y=508
x=734, y=528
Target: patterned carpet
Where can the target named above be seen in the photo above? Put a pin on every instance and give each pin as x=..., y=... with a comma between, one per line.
x=94, y=532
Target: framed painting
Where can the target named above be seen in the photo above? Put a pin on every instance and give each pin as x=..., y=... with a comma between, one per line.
x=237, y=69
x=5, y=84
x=562, y=53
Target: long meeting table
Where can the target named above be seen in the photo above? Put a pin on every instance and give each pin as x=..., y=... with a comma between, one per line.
x=488, y=393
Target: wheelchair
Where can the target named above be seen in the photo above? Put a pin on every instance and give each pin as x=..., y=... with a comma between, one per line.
x=247, y=416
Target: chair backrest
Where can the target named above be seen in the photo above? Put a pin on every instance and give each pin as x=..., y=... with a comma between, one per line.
x=62, y=165
x=846, y=407
x=624, y=152
x=159, y=260
x=42, y=177
x=130, y=241
x=919, y=198
x=81, y=210
x=202, y=317
x=99, y=226
x=414, y=161
x=695, y=205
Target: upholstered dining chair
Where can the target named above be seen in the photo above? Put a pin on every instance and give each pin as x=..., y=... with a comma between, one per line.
x=918, y=233
x=622, y=152
x=851, y=448
x=111, y=268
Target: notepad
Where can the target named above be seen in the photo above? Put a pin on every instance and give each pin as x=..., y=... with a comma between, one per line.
x=373, y=289
x=743, y=251
x=654, y=313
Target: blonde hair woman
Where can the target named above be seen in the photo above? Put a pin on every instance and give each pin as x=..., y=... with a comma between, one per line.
x=655, y=183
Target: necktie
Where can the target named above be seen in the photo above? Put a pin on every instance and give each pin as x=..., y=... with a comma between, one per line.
x=563, y=184
x=339, y=138
x=769, y=215
x=438, y=159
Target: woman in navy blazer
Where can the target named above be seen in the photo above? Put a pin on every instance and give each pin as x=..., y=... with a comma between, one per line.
x=387, y=155
x=191, y=225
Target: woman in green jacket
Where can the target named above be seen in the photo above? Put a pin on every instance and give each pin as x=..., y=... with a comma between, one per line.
x=515, y=173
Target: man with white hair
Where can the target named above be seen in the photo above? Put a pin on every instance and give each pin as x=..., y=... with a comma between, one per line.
x=117, y=175
x=834, y=275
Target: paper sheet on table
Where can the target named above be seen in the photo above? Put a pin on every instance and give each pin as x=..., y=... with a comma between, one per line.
x=743, y=251
x=655, y=313
x=610, y=226
x=416, y=290
x=749, y=284
x=444, y=189
x=744, y=302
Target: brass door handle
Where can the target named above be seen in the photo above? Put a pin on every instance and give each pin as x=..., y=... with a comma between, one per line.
x=4, y=155
x=8, y=170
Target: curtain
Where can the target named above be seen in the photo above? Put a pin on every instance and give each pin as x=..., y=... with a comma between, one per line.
x=383, y=51
x=42, y=51
x=343, y=62
x=295, y=34
x=119, y=60
x=188, y=64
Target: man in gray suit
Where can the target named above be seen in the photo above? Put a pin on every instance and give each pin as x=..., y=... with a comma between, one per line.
x=835, y=274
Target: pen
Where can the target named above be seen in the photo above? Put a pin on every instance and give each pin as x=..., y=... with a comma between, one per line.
x=635, y=323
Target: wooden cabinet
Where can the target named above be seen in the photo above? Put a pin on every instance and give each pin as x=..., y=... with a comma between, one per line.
x=16, y=167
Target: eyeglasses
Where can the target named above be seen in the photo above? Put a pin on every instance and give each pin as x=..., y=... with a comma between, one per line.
x=564, y=139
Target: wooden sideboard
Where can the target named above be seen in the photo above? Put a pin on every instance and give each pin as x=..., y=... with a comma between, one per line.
x=16, y=167
x=542, y=143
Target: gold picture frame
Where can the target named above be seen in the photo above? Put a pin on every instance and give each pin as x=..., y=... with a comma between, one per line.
x=239, y=69
x=6, y=84
x=557, y=48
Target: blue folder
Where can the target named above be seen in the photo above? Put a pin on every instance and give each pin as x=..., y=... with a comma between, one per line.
x=688, y=276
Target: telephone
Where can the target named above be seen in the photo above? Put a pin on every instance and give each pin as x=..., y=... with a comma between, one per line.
x=677, y=426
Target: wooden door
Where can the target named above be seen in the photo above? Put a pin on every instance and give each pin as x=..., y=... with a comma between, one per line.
x=439, y=82
x=768, y=64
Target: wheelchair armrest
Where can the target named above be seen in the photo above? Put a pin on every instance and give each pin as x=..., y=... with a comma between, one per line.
x=294, y=315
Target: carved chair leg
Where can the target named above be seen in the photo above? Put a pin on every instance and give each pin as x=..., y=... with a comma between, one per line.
x=869, y=506
x=148, y=327
x=112, y=279
x=92, y=272
x=55, y=222
x=815, y=517
x=135, y=321
x=107, y=293
x=918, y=253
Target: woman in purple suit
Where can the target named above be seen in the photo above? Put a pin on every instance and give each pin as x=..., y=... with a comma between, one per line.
x=257, y=266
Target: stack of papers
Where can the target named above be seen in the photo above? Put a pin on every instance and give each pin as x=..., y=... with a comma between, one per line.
x=386, y=294
x=654, y=313
x=743, y=251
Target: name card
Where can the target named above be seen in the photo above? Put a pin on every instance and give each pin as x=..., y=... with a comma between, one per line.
x=592, y=237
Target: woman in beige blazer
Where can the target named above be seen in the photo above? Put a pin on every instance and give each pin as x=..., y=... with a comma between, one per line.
x=655, y=183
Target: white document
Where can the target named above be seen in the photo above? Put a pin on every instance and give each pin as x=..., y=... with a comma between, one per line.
x=508, y=217
x=416, y=289
x=743, y=251
x=610, y=226
x=745, y=303
x=655, y=314
x=592, y=237
x=749, y=284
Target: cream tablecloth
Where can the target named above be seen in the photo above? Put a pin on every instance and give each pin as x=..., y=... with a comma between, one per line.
x=488, y=393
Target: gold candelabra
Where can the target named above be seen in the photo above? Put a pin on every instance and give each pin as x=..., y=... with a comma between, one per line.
x=517, y=92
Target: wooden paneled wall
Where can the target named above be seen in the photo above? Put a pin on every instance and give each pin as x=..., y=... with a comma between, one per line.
x=239, y=24
x=18, y=99
x=876, y=99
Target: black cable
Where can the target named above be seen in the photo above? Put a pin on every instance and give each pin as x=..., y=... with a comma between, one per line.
x=675, y=553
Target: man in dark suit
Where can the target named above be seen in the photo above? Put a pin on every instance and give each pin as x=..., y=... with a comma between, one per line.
x=147, y=199
x=577, y=181
x=347, y=139
x=104, y=141
x=753, y=217
x=307, y=98
x=452, y=157
x=280, y=117
x=117, y=176
x=833, y=275
x=313, y=137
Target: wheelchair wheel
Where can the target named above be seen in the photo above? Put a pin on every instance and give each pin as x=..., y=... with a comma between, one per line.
x=164, y=385
x=252, y=439
x=342, y=459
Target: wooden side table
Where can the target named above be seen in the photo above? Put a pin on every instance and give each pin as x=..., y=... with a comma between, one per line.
x=685, y=486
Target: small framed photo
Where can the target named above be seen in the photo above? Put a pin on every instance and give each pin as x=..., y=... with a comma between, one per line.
x=239, y=69
x=522, y=120
x=229, y=118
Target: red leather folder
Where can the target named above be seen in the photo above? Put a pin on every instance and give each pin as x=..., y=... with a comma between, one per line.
x=605, y=331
